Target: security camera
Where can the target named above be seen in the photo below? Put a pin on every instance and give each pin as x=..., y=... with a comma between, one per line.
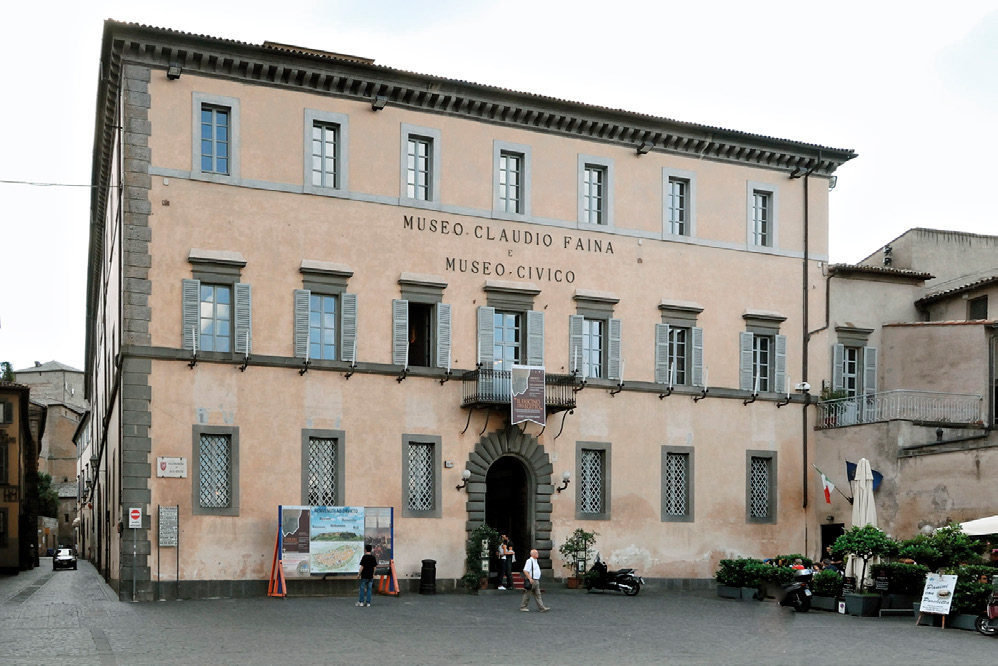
x=803, y=387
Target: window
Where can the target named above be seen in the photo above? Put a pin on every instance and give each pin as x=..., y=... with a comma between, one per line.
x=325, y=315
x=592, y=347
x=854, y=372
x=594, y=336
x=421, y=484
x=325, y=154
x=216, y=471
x=509, y=333
x=326, y=140
x=421, y=323
x=4, y=458
x=760, y=486
x=677, y=484
x=420, y=164
x=761, y=215
x=593, y=488
x=977, y=308
x=763, y=354
x=215, y=140
x=6, y=411
x=511, y=186
x=217, y=308
x=322, y=467
x=3, y=527
x=595, y=191
x=679, y=345
x=677, y=208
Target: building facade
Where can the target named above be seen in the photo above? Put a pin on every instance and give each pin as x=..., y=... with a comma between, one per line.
x=311, y=276
x=914, y=344
x=18, y=478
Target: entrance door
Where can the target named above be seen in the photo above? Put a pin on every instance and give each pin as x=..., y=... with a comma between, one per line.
x=506, y=505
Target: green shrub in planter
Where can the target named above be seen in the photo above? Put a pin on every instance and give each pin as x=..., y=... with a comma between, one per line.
x=973, y=588
x=828, y=583
x=865, y=543
x=756, y=573
x=946, y=547
x=903, y=578
x=732, y=572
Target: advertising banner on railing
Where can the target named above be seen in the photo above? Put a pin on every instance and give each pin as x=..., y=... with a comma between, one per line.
x=320, y=540
x=527, y=394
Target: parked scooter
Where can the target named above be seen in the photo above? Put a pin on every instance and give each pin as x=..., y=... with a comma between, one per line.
x=798, y=594
x=624, y=580
x=987, y=623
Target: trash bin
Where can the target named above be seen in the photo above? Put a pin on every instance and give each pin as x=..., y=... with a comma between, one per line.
x=428, y=577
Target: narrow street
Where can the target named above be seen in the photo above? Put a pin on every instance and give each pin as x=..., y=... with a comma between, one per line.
x=70, y=616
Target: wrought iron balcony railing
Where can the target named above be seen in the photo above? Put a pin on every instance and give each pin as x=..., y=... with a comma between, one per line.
x=488, y=388
x=960, y=408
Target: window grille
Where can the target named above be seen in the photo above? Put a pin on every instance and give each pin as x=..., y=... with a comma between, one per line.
x=759, y=488
x=420, y=476
x=591, y=481
x=321, y=471
x=215, y=471
x=676, y=483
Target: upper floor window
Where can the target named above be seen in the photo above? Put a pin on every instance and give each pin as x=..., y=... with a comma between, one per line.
x=677, y=208
x=217, y=308
x=761, y=215
x=215, y=317
x=763, y=354
x=595, y=190
x=326, y=156
x=977, y=308
x=854, y=363
x=4, y=462
x=421, y=323
x=594, y=336
x=6, y=411
x=215, y=140
x=420, y=164
x=679, y=345
x=325, y=314
x=325, y=153
x=511, y=183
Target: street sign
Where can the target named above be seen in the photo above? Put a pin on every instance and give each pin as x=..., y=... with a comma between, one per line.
x=168, y=524
x=135, y=517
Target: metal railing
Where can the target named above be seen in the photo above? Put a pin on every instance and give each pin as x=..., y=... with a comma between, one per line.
x=484, y=387
x=962, y=408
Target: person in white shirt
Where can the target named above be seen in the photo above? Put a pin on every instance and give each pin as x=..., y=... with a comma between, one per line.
x=532, y=575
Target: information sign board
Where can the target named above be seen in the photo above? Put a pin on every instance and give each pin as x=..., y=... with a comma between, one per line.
x=937, y=596
x=168, y=526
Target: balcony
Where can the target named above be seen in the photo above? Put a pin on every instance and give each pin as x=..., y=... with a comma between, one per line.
x=490, y=388
x=956, y=408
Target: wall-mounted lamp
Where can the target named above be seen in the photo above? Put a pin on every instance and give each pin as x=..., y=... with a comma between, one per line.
x=379, y=102
x=645, y=147
x=465, y=475
x=565, y=479
x=173, y=71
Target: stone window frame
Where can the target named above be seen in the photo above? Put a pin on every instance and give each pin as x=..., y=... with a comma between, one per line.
x=606, y=164
x=772, y=498
x=437, y=442
x=434, y=136
x=599, y=306
x=428, y=290
x=689, y=452
x=324, y=278
x=606, y=448
x=690, y=178
x=199, y=99
x=340, y=473
x=342, y=123
x=684, y=315
x=233, y=434
x=752, y=187
x=221, y=268
x=524, y=151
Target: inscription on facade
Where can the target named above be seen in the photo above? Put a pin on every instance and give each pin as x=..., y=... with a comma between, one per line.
x=490, y=233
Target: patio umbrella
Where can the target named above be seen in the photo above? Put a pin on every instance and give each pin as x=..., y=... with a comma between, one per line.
x=981, y=526
x=864, y=511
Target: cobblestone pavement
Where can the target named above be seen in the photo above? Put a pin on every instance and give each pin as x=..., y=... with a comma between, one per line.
x=70, y=616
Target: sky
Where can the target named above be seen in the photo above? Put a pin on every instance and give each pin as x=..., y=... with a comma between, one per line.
x=912, y=87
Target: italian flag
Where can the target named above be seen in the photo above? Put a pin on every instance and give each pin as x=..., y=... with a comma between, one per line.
x=829, y=486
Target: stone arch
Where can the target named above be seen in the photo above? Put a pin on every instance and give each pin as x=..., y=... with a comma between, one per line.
x=512, y=442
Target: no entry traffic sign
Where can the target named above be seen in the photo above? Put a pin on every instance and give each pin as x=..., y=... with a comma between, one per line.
x=135, y=517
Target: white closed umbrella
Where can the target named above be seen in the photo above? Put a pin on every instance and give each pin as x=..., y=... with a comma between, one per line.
x=864, y=511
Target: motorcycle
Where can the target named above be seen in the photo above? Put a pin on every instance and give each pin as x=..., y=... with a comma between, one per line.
x=987, y=623
x=798, y=594
x=624, y=580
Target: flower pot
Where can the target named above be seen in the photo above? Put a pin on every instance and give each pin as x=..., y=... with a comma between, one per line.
x=750, y=594
x=728, y=592
x=572, y=583
x=862, y=605
x=825, y=603
x=961, y=621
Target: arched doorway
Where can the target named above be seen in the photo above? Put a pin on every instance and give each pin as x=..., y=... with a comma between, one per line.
x=507, y=502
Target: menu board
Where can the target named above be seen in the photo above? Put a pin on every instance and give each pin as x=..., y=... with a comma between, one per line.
x=937, y=596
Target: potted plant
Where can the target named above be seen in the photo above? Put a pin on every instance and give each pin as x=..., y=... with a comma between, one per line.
x=948, y=546
x=754, y=580
x=827, y=590
x=973, y=588
x=482, y=541
x=731, y=577
x=576, y=552
x=864, y=543
x=905, y=582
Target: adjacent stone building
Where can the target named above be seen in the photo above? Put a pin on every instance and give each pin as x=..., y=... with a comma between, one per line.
x=311, y=276
x=19, y=430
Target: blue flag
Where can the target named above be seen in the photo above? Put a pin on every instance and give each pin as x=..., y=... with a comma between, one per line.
x=851, y=474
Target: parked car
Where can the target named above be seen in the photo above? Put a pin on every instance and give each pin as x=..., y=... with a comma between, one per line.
x=64, y=558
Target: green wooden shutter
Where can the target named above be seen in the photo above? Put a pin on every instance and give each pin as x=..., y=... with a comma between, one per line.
x=190, y=319
x=745, y=378
x=303, y=298
x=348, y=328
x=575, y=328
x=443, y=335
x=244, y=318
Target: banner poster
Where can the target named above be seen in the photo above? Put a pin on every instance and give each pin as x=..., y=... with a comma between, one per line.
x=337, y=539
x=295, y=537
x=378, y=533
x=527, y=399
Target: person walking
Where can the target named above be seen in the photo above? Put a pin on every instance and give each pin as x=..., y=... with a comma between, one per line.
x=366, y=576
x=505, y=563
x=532, y=584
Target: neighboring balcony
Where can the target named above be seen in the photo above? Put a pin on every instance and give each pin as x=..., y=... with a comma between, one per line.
x=491, y=388
x=926, y=406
